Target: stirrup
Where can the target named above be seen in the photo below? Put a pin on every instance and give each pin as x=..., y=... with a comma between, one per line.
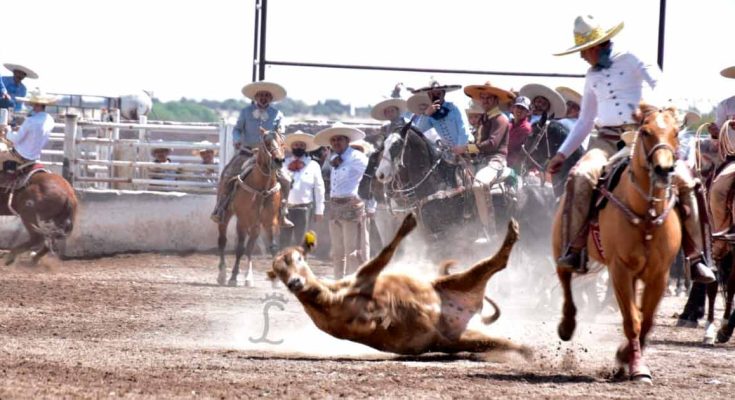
x=699, y=272
x=573, y=261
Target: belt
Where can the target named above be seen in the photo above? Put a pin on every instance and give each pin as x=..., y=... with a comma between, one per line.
x=304, y=205
x=614, y=132
x=342, y=200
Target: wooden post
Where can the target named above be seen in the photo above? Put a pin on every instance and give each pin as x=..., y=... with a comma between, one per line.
x=224, y=133
x=70, y=148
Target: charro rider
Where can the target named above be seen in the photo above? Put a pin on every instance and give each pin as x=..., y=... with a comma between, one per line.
x=12, y=86
x=246, y=137
x=347, y=227
x=390, y=110
x=613, y=89
x=23, y=146
x=489, y=151
x=448, y=121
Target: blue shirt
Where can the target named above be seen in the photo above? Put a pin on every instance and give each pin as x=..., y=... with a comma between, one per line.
x=451, y=128
x=14, y=90
x=251, y=119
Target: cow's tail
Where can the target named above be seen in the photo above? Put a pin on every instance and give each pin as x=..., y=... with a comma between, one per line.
x=487, y=320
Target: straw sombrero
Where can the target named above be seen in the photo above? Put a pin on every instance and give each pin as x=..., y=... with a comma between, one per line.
x=278, y=92
x=299, y=136
x=569, y=94
x=728, y=72
x=588, y=33
x=29, y=72
x=36, y=96
x=558, y=105
x=363, y=146
x=322, y=137
x=505, y=97
x=434, y=85
x=414, y=102
x=205, y=147
x=378, y=110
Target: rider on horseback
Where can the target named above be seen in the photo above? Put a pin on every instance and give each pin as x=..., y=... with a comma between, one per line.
x=246, y=138
x=489, y=152
x=722, y=186
x=22, y=147
x=613, y=88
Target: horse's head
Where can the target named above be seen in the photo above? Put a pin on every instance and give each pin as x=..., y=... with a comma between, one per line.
x=391, y=152
x=654, y=145
x=273, y=144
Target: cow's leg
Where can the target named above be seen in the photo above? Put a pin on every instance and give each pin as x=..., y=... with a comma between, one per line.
x=476, y=342
x=475, y=278
x=370, y=270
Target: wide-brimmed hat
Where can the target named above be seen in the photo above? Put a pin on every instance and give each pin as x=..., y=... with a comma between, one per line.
x=569, y=94
x=522, y=101
x=37, y=96
x=588, y=33
x=299, y=136
x=691, y=118
x=728, y=72
x=29, y=72
x=322, y=137
x=414, y=102
x=474, y=109
x=504, y=96
x=434, y=85
x=278, y=92
x=364, y=146
x=628, y=137
x=378, y=111
x=155, y=150
x=558, y=105
x=205, y=147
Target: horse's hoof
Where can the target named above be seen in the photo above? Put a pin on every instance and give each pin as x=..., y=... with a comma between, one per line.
x=645, y=379
x=709, y=335
x=249, y=283
x=724, y=334
x=566, y=329
x=232, y=283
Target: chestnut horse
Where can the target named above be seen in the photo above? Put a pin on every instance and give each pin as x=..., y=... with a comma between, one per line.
x=255, y=203
x=47, y=207
x=640, y=234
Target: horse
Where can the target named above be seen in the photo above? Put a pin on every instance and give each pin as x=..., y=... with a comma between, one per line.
x=417, y=176
x=255, y=203
x=640, y=236
x=47, y=206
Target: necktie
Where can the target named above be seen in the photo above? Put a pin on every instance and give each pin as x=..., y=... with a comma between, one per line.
x=295, y=165
x=336, y=161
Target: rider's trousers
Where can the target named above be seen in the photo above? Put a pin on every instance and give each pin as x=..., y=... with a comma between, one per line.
x=722, y=213
x=485, y=177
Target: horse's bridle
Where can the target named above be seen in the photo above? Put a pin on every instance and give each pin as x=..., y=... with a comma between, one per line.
x=270, y=153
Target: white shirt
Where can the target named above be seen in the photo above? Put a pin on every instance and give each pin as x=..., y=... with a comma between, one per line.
x=307, y=184
x=612, y=95
x=724, y=111
x=345, y=179
x=32, y=135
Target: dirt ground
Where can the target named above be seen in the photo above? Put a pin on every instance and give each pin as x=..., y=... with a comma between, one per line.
x=156, y=326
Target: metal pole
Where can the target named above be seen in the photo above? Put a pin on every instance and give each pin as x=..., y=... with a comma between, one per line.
x=256, y=38
x=661, y=33
x=261, y=58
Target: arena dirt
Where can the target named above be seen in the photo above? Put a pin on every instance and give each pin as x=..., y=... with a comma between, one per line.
x=156, y=326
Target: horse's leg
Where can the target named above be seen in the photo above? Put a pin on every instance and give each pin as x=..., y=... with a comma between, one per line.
x=728, y=319
x=253, y=234
x=39, y=254
x=625, y=293
x=652, y=295
x=476, y=342
x=239, y=249
x=569, y=310
x=221, y=245
x=709, y=329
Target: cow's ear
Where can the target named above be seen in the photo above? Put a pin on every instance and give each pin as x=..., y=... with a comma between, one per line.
x=309, y=242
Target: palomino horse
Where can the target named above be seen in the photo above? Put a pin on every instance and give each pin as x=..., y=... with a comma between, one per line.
x=640, y=234
x=46, y=205
x=255, y=204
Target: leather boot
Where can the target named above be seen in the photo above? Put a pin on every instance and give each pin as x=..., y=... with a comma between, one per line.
x=574, y=232
x=695, y=236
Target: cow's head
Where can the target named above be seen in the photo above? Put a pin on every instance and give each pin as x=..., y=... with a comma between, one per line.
x=290, y=265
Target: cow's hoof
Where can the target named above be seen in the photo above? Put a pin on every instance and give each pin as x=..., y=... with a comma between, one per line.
x=566, y=329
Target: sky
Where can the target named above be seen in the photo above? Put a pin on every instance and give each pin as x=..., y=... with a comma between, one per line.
x=204, y=50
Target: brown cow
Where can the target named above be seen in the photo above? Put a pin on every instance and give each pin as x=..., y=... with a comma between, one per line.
x=394, y=312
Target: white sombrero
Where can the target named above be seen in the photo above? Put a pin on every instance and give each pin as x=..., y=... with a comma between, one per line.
x=588, y=33
x=206, y=146
x=474, y=109
x=278, y=92
x=364, y=146
x=299, y=136
x=691, y=118
x=322, y=137
x=558, y=105
x=378, y=111
x=414, y=102
x=728, y=72
x=36, y=96
x=29, y=72
x=569, y=94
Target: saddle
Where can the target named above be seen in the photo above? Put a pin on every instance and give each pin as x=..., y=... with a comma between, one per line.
x=609, y=180
x=12, y=180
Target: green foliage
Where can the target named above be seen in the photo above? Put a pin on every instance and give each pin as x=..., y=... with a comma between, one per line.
x=183, y=111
